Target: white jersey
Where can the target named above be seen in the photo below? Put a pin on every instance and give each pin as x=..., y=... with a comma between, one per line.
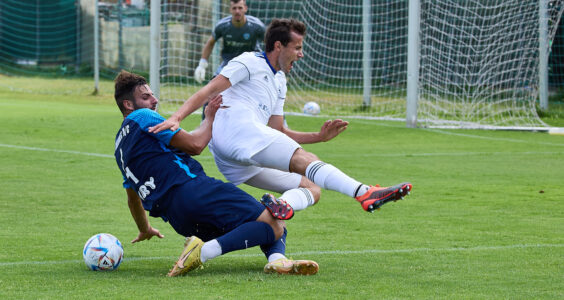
x=255, y=85
x=240, y=131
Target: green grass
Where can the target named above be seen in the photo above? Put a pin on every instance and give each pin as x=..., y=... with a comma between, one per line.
x=485, y=219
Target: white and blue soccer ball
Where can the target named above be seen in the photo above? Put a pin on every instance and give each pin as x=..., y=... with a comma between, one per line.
x=103, y=252
x=312, y=108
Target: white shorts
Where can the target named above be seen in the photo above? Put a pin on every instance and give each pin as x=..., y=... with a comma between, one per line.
x=275, y=155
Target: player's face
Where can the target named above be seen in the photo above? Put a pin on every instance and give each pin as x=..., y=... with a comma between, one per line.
x=238, y=11
x=144, y=98
x=291, y=52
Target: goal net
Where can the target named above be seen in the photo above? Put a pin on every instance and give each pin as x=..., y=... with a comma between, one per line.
x=331, y=73
x=478, y=59
x=479, y=62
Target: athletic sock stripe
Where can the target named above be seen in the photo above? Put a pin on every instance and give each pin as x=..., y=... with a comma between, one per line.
x=357, y=189
x=308, y=195
x=313, y=170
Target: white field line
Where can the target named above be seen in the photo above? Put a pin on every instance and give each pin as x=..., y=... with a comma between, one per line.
x=55, y=150
x=71, y=152
x=328, y=155
x=446, y=132
x=329, y=252
x=444, y=154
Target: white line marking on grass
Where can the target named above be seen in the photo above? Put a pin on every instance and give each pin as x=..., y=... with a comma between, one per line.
x=55, y=150
x=492, y=138
x=328, y=155
x=330, y=252
x=443, y=154
x=71, y=152
x=452, y=249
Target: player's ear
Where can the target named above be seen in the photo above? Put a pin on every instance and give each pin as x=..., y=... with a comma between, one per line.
x=278, y=45
x=128, y=104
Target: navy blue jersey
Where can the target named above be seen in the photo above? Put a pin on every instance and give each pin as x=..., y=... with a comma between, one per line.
x=147, y=162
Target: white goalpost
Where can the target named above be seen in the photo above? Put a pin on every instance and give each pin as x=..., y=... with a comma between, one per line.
x=430, y=63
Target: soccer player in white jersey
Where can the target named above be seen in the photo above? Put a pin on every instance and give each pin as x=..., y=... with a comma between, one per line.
x=249, y=142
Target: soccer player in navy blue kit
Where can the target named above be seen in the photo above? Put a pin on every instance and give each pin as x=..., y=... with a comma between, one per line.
x=161, y=177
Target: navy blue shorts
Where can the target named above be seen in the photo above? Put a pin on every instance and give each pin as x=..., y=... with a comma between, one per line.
x=208, y=208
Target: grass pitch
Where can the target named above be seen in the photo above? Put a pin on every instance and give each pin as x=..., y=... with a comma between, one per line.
x=485, y=219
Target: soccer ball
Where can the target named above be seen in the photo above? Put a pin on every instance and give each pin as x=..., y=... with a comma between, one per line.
x=311, y=108
x=102, y=252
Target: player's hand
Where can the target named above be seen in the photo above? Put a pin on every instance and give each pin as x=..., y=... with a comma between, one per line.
x=332, y=128
x=170, y=123
x=200, y=72
x=213, y=105
x=148, y=235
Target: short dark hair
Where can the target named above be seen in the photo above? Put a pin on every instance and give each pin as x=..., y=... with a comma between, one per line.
x=125, y=85
x=280, y=29
x=237, y=1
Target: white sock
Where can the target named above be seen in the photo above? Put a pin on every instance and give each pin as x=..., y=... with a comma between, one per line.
x=299, y=198
x=210, y=249
x=275, y=256
x=329, y=177
x=362, y=190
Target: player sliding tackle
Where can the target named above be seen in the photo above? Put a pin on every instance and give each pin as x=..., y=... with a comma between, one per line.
x=160, y=176
x=249, y=142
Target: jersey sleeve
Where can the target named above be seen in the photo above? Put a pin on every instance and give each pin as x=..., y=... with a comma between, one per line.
x=216, y=34
x=236, y=71
x=147, y=118
x=260, y=33
x=219, y=29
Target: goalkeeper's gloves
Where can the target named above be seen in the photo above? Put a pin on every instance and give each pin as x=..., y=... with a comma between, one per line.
x=200, y=72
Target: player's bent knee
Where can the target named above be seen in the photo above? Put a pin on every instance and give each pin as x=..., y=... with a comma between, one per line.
x=308, y=157
x=300, y=160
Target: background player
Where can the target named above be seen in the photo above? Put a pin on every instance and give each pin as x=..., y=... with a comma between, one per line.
x=239, y=32
x=250, y=143
x=172, y=185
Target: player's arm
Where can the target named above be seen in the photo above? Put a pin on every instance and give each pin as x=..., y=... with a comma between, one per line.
x=146, y=232
x=195, y=142
x=217, y=85
x=208, y=47
x=329, y=130
x=200, y=72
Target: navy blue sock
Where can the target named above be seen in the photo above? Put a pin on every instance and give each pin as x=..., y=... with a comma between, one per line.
x=246, y=236
x=279, y=246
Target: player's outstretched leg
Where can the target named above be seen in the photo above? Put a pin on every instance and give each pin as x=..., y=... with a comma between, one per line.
x=190, y=257
x=278, y=208
x=292, y=267
x=377, y=196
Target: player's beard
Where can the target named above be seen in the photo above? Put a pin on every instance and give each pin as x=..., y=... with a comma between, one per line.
x=136, y=107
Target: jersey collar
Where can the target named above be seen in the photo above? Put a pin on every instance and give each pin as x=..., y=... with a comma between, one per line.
x=268, y=62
